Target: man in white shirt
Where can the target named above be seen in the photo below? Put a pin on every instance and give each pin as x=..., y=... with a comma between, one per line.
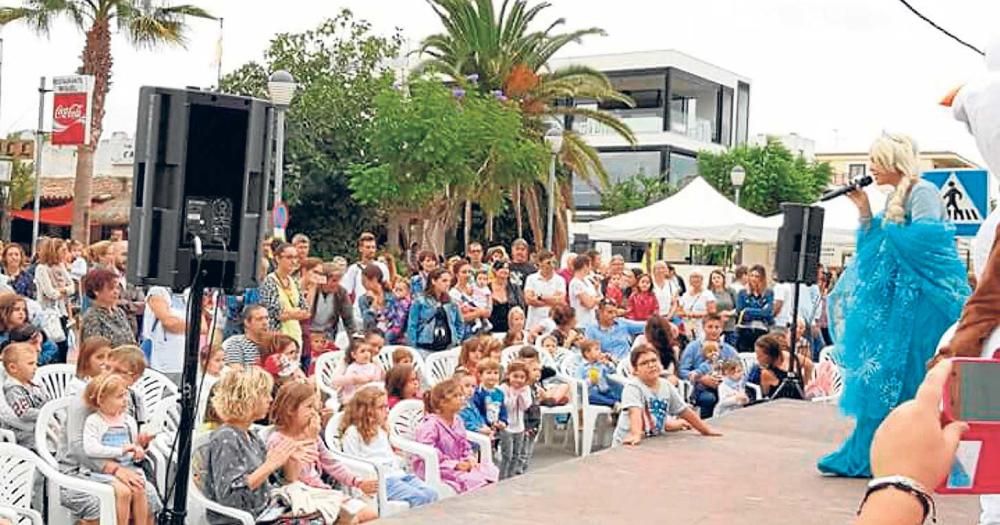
x=543, y=290
x=583, y=295
x=367, y=248
x=809, y=304
x=665, y=289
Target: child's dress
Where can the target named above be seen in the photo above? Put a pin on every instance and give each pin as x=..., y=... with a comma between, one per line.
x=105, y=438
x=348, y=388
x=449, y=439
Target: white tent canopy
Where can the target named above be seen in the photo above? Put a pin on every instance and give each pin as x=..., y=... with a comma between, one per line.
x=840, y=217
x=695, y=213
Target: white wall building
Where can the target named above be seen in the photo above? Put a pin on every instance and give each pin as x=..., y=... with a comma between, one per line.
x=683, y=105
x=794, y=142
x=113, y=158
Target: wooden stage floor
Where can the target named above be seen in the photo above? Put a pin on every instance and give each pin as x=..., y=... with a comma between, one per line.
x=762, y=471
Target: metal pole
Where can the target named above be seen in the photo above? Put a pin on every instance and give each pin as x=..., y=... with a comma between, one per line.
x=1, y=74
x=175, y=509
x=39, y=144
x=279, y=154
x=552, y=203
x=737, y=196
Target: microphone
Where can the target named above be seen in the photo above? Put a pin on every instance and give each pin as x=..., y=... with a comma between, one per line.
x=856, y=184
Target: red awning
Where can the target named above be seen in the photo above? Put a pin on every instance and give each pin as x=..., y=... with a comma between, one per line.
x=61, y=215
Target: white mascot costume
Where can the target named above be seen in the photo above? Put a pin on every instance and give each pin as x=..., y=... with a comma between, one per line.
x=978, y=105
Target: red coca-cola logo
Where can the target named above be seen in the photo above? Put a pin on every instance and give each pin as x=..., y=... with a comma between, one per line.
x=70, y=112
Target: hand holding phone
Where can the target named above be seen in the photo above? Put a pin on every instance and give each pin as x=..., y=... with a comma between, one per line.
x=972, y=395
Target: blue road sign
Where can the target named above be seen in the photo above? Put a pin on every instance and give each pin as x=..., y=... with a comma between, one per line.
x=280, y=215
x=965, y=195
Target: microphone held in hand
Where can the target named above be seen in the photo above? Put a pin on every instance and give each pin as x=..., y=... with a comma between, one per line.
x=856, y=184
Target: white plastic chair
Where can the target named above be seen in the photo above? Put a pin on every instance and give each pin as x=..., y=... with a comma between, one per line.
x=441, y=365
x=403, y=421
x=18, y=468
x=154, y=386
x=197, y=498
x=164, y=422
x=54, y=379
x=325, y=367
x=362, y=468
x=826, y=354
x=590, y=413
x=50, y=442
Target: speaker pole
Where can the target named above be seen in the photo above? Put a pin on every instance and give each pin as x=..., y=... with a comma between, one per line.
x=175, y=508
x=793, y=381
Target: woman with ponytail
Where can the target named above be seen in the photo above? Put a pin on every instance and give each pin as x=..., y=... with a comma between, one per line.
x=903, y=289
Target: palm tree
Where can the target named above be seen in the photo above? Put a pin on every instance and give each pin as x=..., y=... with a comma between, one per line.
x=146, y=26
x=498, y=52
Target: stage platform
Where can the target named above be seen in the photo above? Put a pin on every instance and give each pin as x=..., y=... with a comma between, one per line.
x=761, y=472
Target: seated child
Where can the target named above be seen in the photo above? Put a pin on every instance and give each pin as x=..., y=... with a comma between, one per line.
x=491, y=348
x=24, y=396
x=517, y=400
x=111, y=434
x=551, y=346
x=129, y=362
x=551, y=391
x=212, y=361
x=516, y=332
x=376, y=341
x=470, y=355
x=594, y=370
x=732, y=389
x=472, y=418
x=443, y=430
x=33, y=335
x=363, y=434
x=283, y=359
x=402, y=356
x=402, y=383
x=488, y=398
x=91, y=362
x=710, y=351
x=296, y=418
x=360, y=369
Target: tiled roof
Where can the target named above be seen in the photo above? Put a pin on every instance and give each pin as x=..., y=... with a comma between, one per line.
x=62, y=188
x=110, y=197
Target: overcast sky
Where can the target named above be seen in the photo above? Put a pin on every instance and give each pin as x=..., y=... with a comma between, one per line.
x=836, y=71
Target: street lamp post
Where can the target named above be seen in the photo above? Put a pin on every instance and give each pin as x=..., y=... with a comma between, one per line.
x=555, y=144
x=281, y=89
x=737, y=176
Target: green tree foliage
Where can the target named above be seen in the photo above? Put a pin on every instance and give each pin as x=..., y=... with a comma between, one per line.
x=774, y=175
x=434, y=147
x=635, y=192
x=340, y=66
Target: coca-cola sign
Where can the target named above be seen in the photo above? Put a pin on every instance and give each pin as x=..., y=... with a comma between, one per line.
x=71, y=110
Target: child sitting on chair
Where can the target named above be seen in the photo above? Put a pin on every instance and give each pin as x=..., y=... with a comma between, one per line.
x=296, y=418
x=24, y=396
x=363, y=434
x=402, y=383
x=732, y=389
x=111, y=434
x=595, y=371
x=442, y=429
x=402, y=356
x=360, y=369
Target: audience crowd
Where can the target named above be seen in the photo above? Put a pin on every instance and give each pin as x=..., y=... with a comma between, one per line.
x=526, y=335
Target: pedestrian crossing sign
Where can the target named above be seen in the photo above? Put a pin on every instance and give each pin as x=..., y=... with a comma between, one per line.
x=965, y=196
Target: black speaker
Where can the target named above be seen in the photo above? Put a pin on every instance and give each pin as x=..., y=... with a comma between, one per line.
x=800, y=241
x=201, y=171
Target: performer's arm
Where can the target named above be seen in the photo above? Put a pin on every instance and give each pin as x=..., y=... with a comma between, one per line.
x=981, y=313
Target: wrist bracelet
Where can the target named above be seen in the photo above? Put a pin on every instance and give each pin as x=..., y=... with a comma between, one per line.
x=907, y=485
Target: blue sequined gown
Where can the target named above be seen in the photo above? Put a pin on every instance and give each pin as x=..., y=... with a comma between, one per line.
x=903, y=289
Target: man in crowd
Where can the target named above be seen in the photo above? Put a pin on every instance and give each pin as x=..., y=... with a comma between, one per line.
x=612, y=332
x=367, y=248
x=245, y=349
x=739, y=279
x=520, y=263
x=301, y=243
x=566, y=272
x=697, y=368
x=583, y=295
x=333, y=307
x=132, y=298
x=543, y=290
x=475, y=255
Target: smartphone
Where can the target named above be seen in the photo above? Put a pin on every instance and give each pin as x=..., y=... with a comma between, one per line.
x=972, y=394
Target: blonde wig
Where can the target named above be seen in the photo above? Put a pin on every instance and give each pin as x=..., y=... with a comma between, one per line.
x=897, y=153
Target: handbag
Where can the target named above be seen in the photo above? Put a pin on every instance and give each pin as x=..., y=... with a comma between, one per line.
x=52, y=326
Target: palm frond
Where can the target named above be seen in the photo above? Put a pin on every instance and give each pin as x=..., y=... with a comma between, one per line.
x=39, y=14
x=150, y=28
x=583, y=160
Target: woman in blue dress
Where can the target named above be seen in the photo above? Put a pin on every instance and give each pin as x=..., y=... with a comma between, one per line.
x=903, y=289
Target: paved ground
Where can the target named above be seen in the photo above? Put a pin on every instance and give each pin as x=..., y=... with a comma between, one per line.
x=761, y=472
